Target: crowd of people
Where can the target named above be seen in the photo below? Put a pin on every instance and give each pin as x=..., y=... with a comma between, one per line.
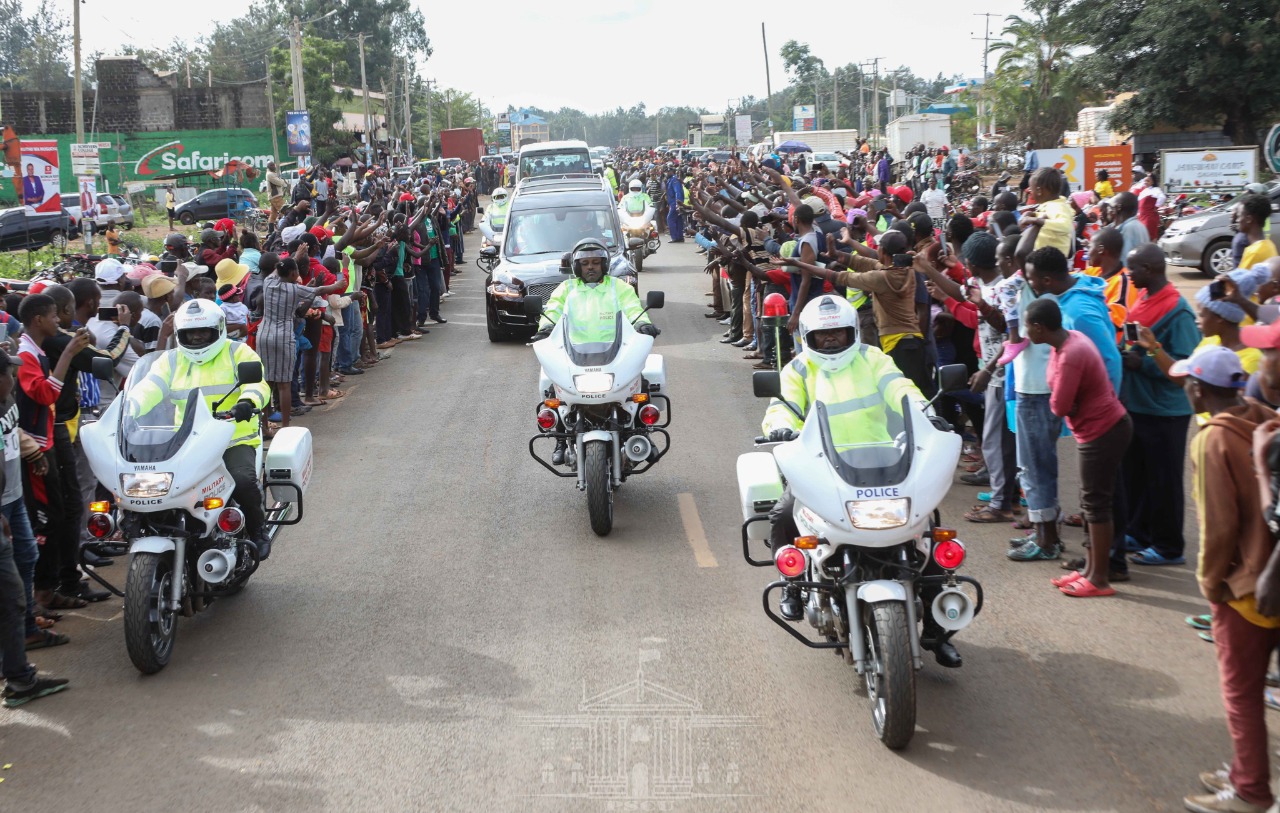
x=336, y=282
x=1058, y=303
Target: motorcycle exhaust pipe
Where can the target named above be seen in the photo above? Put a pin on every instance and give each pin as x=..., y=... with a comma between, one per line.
x=216, y=565
x=952, y=609
x=637, y=448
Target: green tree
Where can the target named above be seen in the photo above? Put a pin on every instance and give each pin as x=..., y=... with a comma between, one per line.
x=322, y=67
x=393, y=29
x=1036, y=81
x=44, y=62
x=1194, y=62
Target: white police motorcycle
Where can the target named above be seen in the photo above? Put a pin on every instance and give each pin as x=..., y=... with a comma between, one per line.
x=162, y=461
x=871, y=552
x=640, y=230
x=604, y=404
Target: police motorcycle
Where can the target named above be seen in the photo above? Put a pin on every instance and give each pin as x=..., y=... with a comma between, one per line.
x=603, y=404
x=159, y=451
x=872, y=557
x=638, y=226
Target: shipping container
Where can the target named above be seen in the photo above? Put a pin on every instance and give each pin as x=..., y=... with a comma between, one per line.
x=466, y=143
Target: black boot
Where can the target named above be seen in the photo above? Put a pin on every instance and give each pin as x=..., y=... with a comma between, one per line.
x=943, y=651
x=557, y=457
x=264, y=548
x=789, y=607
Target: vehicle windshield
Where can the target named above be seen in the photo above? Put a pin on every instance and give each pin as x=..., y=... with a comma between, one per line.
x=533, y=235
x=543, y=164
x=866, y=449
x=591, y=340
x=155, y=420
x=825, y=158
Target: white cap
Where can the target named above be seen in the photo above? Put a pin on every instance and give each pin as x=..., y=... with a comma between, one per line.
x=109, y=271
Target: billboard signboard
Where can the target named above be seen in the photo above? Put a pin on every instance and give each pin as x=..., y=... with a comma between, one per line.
x=1220, y=169
x=84, y=159
x=297, y=125
x=803, y=118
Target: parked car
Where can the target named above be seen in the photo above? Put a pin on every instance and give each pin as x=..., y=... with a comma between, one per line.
x=125, y=218
x=22, y=228
x=547, y=217
x=832, y=161
x=215, y=204
x=71, y=205
x=1203, y=240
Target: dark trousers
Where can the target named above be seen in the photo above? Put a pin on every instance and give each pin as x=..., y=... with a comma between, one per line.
x=1152, y=505
x=735, y=311
x=430, y=281
x=240, y=462
x=910, y=356
x=57, y=567
x=400, y=306
x=13, y=612
x=382, y=297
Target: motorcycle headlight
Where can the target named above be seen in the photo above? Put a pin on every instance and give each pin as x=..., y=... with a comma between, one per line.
x=146, y=484
x=592, y=383
x=878, y=515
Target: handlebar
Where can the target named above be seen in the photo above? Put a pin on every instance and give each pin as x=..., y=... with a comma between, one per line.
x=226, y=415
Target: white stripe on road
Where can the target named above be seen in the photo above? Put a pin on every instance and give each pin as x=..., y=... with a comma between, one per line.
x=694, y=531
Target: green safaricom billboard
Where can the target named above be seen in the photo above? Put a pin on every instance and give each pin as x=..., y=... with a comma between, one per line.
x=148, y=156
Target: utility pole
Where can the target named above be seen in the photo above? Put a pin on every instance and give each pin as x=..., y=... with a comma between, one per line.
x=984, y=93
x=271, y=116
x=188, y=61
x=210, y=77
x=835, y=99
x=388, y=106
x=431, y=148
x=295, y=55
x=368, y=119
x=768, y=86
x=448, y=108
x=875, y=97
x=78, y=91
x=408, y=115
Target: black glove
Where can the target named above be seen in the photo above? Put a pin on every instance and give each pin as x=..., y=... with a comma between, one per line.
x=648, y=329
x=540, y=335
x=782, y=435
x=242, y=411
x=941, y=424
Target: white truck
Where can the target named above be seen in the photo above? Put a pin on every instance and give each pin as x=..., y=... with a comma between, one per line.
x=930, y=129
x=822, y=140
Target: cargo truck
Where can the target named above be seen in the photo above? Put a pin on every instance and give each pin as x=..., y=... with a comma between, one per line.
x=466, y=143
x=930, y=129
x=822, y=140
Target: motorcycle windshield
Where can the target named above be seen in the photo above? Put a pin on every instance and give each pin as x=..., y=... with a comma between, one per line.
x=155, y=420
x=592, y=342
x=864, y=451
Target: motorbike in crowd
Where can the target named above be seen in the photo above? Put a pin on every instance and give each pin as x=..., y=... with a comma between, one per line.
x=640, y=231
x=606, y=402
x=873, y=556
x=159, y=451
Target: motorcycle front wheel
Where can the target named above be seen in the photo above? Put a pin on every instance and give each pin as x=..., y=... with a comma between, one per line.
x=149, y=628
x=637, y=257
x=599, y=486
x=891, y=680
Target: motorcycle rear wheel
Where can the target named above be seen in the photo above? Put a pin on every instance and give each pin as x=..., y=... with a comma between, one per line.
x=149, y=630
x=891, y=679
x=599, y=486
x=638, y=257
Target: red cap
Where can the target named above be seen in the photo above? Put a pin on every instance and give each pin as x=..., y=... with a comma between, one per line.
x=321, y=232
x=902, y=193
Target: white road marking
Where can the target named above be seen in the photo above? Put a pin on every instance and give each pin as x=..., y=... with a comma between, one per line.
x=694, y=531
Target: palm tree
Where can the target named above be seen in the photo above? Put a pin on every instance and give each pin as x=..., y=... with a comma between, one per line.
x=1035, y=78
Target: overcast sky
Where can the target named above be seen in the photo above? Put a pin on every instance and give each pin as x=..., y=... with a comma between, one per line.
x=596, y=55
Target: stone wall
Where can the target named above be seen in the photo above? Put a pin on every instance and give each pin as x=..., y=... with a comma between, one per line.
x=133, y=98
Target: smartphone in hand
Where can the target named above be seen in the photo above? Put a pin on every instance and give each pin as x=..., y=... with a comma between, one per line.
x=107, y=314
x=1131, y=332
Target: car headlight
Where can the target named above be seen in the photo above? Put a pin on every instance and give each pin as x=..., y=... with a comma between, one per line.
x=1190, y=228
x=878, y=515
x=505, y=291
x=146, y=484
x=592, y=383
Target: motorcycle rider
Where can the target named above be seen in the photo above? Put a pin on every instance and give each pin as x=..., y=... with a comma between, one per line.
x=206, y=358
x=594, y=298
x=636, y=201
x=860, y=385
x=496, y=214
x=611, y=175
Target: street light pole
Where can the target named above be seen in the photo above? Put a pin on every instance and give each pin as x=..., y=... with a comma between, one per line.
x=364, y=91
x=295, y=55
x=431, y=148
x=78, y=91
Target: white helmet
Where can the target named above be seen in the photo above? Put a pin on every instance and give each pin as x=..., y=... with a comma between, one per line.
x=500, y=193
x=200, y=329
x=635, y=185
x=829, y=312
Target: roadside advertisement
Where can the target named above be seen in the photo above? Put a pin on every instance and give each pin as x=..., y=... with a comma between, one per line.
x=40, y=179
x=1117, y=161
x=87, y=185
x=1271, y=150
x=297, y=125
x=742, y=130
x=1225, y=169
x=84, y=159
x=802, y=118
x=1068, y=159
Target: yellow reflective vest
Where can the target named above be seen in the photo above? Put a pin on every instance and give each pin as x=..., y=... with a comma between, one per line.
x=591, y=310
x=175, y=374
x=497, y=213
x=858, y=397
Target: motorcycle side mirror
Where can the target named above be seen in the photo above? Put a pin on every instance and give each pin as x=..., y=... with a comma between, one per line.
x=566, y=263
x=249, y=372
x=635, y=242
x=654, y=300
x=479, y=210
x=489, y=252
x=102, y=368
x=766, y=384
x=952, y=377
x=532, y=306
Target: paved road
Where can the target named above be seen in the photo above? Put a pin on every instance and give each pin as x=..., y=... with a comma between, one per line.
x=444, y=632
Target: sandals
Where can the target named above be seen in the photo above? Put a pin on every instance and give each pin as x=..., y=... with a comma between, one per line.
x=1062, y=581
x=1074, y=520
x=1199, y=622
x=1151, y=557
x=988, y=514
x=334, y=395
x=1083, y=588
x=58, y=601
x=47, y=638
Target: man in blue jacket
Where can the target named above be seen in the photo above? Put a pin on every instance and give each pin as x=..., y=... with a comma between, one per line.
x=1083, y=302
x=675, y=197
